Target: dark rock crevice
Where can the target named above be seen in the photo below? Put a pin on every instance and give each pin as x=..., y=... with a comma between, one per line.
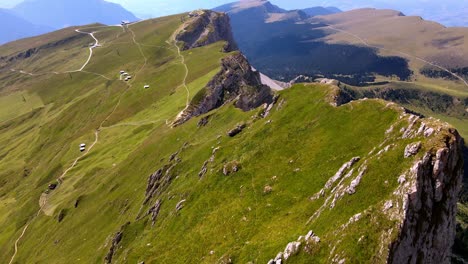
x=158, y=182
x=115, y=243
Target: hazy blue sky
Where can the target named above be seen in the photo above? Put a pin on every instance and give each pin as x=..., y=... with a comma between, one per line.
x=449, y=12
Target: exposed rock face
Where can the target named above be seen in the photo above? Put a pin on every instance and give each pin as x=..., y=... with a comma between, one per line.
x=294, y=247
x=180, y=205
x=231, y=167
x=207, y=27
x=115, y=242
x=340, y=97
x=428, y=227
x=341, y=171
x=154, y=211
x=235, y=81
x=412, y=149
x=291, y=249
x=235, y=131
x=204, y=168
x=158, y=182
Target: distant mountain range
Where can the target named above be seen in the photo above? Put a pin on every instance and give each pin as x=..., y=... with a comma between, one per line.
x=284, y=44
x=265, y=7
x=15, y=27
x=34, y=17
x=321, y=11
x=448, y=12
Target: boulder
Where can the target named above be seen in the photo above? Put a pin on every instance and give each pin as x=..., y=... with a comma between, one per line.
x=235, y=131
x=412, y=149
x=279, y=256
x=291, y=249
x=180, y=205
x=231, y=167
x=267, y=189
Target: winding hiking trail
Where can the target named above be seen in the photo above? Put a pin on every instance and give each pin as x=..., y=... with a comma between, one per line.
x=184, y=84
x=43, y=198
x=23, y=232
x=366, y=43
x=95, y=45
x=173, y=41
x=91, y=48
x=101, y=126
x=96, y=139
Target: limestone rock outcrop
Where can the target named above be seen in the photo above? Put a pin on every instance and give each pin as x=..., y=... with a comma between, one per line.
x=234, y=82
x=206, y=27
x=428, y=228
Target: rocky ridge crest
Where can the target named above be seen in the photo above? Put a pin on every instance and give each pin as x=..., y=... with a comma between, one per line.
x=204, y=28
x=236, y=81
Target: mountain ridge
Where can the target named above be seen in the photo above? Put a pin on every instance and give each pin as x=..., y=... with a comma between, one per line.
x=320, y=11
x=358, y=177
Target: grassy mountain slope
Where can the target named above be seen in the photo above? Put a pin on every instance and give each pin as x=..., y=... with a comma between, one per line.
x=77, y=103
x=255, y=195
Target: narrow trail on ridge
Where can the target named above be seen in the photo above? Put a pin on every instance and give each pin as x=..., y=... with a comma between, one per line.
x=182, y=59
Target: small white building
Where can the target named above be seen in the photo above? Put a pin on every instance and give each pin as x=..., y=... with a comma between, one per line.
x=122, y=72
x=83, y=145
x=146, y=86
x=125, y=22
